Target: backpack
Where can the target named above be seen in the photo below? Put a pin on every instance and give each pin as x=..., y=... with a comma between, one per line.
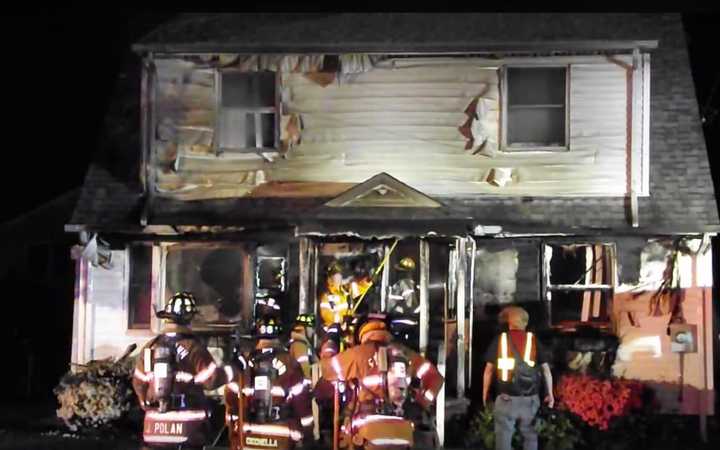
x=525, y=378
x=264, y=369
x=164, y=366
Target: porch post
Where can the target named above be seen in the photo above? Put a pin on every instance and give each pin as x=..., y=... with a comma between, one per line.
x=440, y=402
x=314, y=268
x=424, y=303
x=304, y=271
x=461, y=291
x=473, y=250
x=385, y=280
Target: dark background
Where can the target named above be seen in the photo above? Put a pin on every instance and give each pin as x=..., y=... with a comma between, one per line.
x=69, y=84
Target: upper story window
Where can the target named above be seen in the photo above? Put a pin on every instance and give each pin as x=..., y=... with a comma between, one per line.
x=247, y=111
x=535, y=108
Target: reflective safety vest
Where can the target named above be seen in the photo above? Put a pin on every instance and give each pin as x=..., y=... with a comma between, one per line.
x=506, y=359
x=334, y=305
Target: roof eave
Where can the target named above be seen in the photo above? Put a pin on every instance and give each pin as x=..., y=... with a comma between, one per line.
x=407, y=48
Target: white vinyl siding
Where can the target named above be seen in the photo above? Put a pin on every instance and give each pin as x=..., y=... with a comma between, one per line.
x=403, y=118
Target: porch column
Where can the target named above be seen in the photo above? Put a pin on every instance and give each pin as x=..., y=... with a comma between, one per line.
x=304, y=271
x=440, y=402
x=385, y=280
x=424, y=296
x=473, y=250
x=461, y=291
x=314, y=271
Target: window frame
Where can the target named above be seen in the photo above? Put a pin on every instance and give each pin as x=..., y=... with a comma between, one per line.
x=504, y=146
x=163, y=295
x=548, y=288
x=258, y=112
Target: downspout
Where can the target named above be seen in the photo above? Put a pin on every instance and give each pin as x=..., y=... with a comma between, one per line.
x=631, y=194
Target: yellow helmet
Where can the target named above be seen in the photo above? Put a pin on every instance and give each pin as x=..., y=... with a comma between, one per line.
x=407, y=264
x=334, y=267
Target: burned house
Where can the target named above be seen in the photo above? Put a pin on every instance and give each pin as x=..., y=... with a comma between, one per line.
x=550, y=160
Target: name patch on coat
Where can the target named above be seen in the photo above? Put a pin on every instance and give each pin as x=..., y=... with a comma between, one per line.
x=261, y=442
x=170, y=428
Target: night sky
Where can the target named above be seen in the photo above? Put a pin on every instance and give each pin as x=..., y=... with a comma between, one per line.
x=62, y=67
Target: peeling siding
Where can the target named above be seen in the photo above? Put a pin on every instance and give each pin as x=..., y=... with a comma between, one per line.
x=403, y=119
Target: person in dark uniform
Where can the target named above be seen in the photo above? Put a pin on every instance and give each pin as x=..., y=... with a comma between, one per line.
x=516, y=361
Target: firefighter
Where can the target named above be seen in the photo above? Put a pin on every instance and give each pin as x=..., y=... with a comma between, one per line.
x=267, y=306
x=335, y=301
x=300, y=344
x=170, y=375
x=324, y=390
x=301, y=349
x=360, y=284
x=275, y=398
x=513, y=359
x=378, y=369
x=403, y=296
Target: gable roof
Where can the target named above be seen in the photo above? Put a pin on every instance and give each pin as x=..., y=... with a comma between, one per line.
x=682, y=198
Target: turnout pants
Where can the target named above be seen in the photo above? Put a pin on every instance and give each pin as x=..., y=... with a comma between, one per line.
x=509, y=410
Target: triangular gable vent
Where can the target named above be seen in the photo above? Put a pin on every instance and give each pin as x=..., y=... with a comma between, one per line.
x=383, y=190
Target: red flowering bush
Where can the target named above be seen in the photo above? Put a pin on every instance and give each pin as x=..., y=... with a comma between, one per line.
x=598, y=401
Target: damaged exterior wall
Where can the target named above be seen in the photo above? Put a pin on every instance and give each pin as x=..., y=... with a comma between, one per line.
x=506, y=271
x=684, y=384
x=433, y=123
x=644, y=351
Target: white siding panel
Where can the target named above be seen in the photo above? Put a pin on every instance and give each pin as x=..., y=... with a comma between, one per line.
x=107, y=310
x=320, y=120
x=598, y=119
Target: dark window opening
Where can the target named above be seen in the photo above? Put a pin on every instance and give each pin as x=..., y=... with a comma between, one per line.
x=140, y=287
x=536, y=107
x=214, y=273
x=580, y=282
x=247, y=111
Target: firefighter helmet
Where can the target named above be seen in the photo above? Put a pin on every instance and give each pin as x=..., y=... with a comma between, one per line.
x=406, y=264
x=267, y=327
x=334, y=267
x=305, y=320
x=181, y=308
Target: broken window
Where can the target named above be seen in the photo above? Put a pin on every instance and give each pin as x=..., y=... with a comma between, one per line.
x=214, y=273
x=270, y=273
x=579, y=282
x=247, y=111
x=535, y=107
x=140, y=287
